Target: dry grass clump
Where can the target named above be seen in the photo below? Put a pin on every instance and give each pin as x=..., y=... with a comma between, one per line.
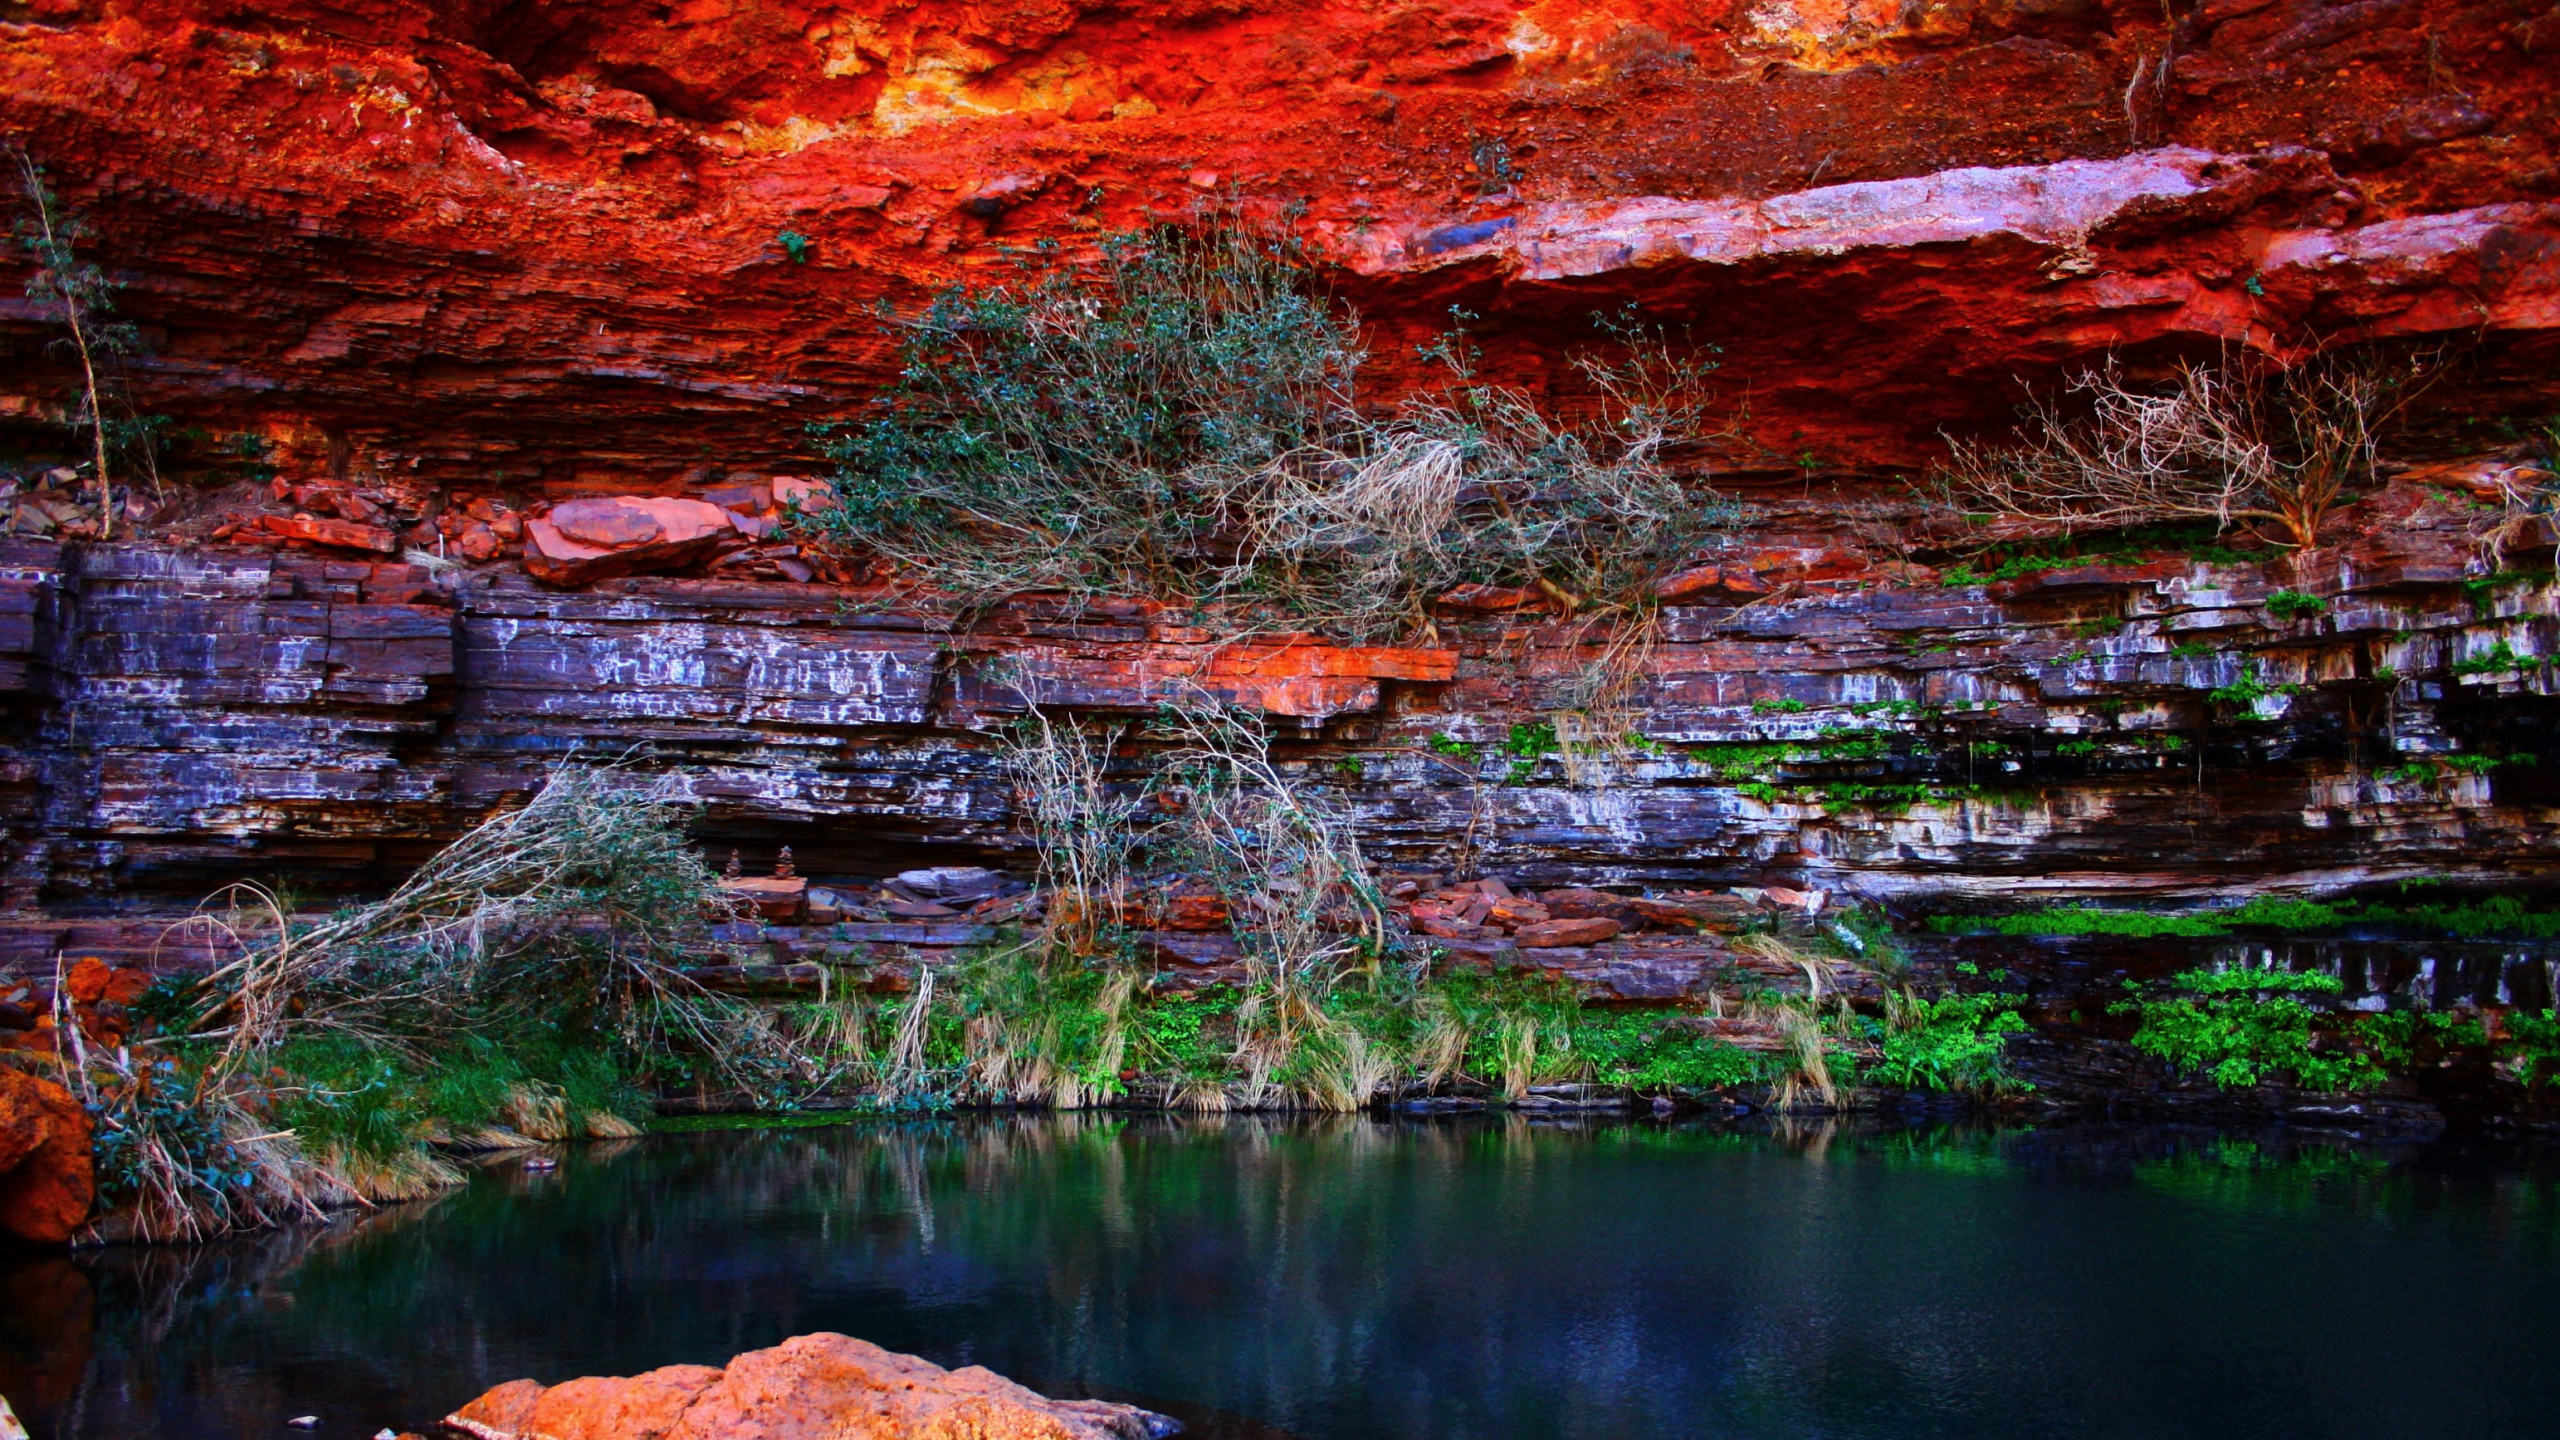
x=590, y=862
x=1185, y=422
x=1813, y=1033
x=182, y=1155
x=500, y=997
x=2242, y=441
x=1304, y=907
x=1052, y=1017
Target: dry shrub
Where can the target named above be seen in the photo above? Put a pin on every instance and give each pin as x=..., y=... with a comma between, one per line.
x=1085, y=831
x=2242, y=441
x=1303, y=905
x=1186, y=422
x=1049, y=1016
x=588, y=889
x=576, y=911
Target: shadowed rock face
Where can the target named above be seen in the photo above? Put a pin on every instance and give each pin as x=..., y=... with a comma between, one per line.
x=808, y=1386
x=545, y=244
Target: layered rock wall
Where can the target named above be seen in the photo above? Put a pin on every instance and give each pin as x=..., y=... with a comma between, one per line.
x=2126, y=727
x=452, y=264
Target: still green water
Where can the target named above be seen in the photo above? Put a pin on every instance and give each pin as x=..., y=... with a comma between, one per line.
x=1469, y=1280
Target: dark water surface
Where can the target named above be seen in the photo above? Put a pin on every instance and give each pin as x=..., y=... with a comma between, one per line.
x=1486, y=1280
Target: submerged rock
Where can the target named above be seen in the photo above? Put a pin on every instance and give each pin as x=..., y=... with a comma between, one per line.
x=806, y=1388
x=45, y=1179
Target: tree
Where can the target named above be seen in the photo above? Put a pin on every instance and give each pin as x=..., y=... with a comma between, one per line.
x=83, y=298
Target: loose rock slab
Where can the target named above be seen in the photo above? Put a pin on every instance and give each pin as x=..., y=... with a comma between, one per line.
x=582, y=541
x=810, y=1387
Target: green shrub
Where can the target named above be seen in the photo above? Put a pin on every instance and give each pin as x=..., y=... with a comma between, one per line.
x=2533, y=1046
x=1652, y=1050
x=2245, y=692
x=2496, y=660
x=2295, y=605
x=1954, y=1042
x=2238, y=1025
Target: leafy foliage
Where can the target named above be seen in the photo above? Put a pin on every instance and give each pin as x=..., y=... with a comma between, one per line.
x=2240, y=1024
x=1953, y=1042
x=2295, y=605
x=2533, y=1045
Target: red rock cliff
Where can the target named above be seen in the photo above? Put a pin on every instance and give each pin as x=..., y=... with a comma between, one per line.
x=541, y=243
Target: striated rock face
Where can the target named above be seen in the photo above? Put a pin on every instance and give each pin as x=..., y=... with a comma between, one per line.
x=2133, y=728
x=808, y=1387
x=45, y=1179
x=591, y=248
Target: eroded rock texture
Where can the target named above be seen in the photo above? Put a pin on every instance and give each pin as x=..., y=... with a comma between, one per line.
x=2134, y=729
x=45, y=1181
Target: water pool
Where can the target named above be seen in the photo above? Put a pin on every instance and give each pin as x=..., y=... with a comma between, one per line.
x=1485, y=1279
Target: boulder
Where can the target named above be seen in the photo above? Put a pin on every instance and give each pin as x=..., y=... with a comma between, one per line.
x=809, y=497
x=91, y=980
x=781, y=899
x=1489, y=599
x=45, y=1179
x=1189, y=912
x=1708, y=582
x=954, y=884
x=1701, y=914
x=810, y=1387
x=583, y=541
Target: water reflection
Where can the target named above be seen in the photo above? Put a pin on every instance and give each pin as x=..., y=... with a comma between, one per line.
x=1352, y=1278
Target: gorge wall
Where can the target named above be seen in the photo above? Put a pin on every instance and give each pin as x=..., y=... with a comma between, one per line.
x=504, y=256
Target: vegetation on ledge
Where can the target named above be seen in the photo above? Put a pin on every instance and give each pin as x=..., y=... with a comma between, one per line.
x=1187, y=424
x=2492, y=917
